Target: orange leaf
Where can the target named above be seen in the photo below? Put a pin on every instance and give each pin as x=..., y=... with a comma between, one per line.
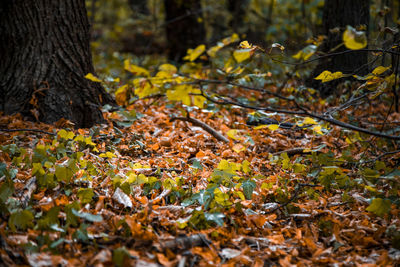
x=200, y=154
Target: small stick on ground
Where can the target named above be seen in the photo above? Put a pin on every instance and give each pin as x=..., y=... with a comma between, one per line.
x=293, y=151
x=26, y=130
x=204, y=126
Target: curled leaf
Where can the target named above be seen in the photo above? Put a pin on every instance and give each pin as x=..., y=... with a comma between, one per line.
x=354, y=39
x=327, y=76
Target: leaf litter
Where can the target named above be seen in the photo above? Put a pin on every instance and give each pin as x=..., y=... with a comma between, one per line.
x=161, y=191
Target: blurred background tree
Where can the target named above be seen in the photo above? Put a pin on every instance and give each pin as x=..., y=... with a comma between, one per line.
x=152, y=32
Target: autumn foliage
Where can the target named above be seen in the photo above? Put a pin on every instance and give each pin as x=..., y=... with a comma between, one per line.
x=224, y=160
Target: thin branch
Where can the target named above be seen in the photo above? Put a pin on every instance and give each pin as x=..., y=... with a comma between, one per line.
x=381, y=156
x=244, y=87
x=26, y=130
x=293, y=151
x=204, y=126
x=292, y=198
x=332, y=55
x=304, y=113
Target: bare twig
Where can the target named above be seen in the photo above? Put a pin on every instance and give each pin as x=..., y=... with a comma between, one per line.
x=293, y=151
x=204, y=126
x=26, y=130
x=381, y=156
x=304, y=112
x=333, y=55
x=185, y=242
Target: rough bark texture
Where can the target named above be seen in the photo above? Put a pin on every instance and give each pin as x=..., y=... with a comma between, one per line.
x=45, y=52
x=337, y=14
x=184, y=26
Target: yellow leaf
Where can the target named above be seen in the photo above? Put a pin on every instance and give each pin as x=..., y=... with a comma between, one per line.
x=306, y=52
x=212, y=52
x=260, y=127
x=231, y=39
x=93, y=78
x=143, y=88
x=135, y=69
x=66, y=135
x=168, y=68
x=193, y=54
x=239, y=194
x=107, y=155
x=379, y=70
x=223, y=165
x=317, y=129
x=238, y=148
x=198, y=100
x=327, y=76
x=244, y=45
x=233, y=134
x=180, y=93
x=353, y=39
x=120, y=94
x=309, y=120
x=241, y=55
x=273, y=127
x=246, y=166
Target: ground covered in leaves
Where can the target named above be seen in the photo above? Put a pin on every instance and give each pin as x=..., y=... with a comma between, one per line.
x=148, y=190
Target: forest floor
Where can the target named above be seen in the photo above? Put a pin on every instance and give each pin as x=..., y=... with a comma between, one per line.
x=151, y=191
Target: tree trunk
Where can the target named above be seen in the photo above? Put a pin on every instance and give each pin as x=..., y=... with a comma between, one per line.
x=45, y=55
x=237, y=8
x=139, y=6
x=184, y=27
x=337, y=14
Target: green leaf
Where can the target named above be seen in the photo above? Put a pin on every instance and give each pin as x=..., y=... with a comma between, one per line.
x=120, y=256
x=61, y=173
x=81, y=233
x=87, y=216
x=85, y=195
x=49, y=219
x=71, y=218
x=216, y=217
x=248, y=188
x=57, y=243
x=20, y=219
x=197, y=164
x=6, y=190
x=380, y=206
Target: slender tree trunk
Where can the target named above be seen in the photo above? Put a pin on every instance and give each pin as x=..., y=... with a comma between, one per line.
x=139, y=6
x=45, y=52
x=337, y=14
x=237, y=8
x=184, y=26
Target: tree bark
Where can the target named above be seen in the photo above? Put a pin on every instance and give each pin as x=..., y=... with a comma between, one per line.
x=139, y=6
x=237, y=8
x=184, y=27
x=45, y=48
x=337, y=14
